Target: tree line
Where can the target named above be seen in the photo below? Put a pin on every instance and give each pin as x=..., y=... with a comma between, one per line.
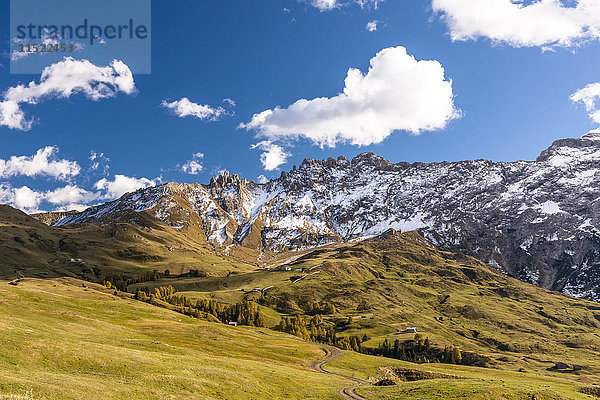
x=316, y=331
x=244, y=313
x=418, y=350
x=121, y=281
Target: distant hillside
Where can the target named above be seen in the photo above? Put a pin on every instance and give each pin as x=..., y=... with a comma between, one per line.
x=51, y=217
x=30, y=248
x=399, y=280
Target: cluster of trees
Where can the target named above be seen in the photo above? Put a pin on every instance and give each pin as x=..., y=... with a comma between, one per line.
x=418, y=350
x=316, y=331
x=164, y=293
x=320, y=307
x=121, y=281
x=244, y=313
x=196, y=273
x=111, y=286
x=452, y=355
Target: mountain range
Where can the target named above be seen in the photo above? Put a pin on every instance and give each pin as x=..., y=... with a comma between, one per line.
x=534, y=220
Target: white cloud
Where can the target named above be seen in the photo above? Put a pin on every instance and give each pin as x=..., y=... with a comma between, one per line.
x=70, y=197
x=397, y=93
x=43, y=163
x=62, y=80
x=230, y=102
x=13, y=117
x=29, y=200
x=369, y=3
x=185, y=108
x=22, y=198
x=193, y=166
x=325, y=5
x=262, y=179
x=122, y=184
x=25, y=198
x=539, y=23
x=372, y=26
x=99, y=162
x=70, y=194
x=328, y=5
x=590, y=97
x=72, y=207
x=273, y=155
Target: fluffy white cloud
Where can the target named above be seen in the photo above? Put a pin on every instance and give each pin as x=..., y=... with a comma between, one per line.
x=43, y=163
x=538, y=23
x=22, y=198
x=13, y=117
x=273, y=155
x=70, y=197
x=25, y=198
x=62, y=80
x=186, y=108
x=29, y=200
x=193, y=166
x=122, y=184
x=590, y=97
x=70, y=194
x=397, y=93
x=372, y=26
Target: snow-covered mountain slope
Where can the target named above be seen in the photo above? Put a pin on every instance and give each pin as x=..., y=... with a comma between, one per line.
x=536, y=220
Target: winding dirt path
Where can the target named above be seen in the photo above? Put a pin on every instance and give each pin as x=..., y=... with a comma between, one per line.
x=346, y=392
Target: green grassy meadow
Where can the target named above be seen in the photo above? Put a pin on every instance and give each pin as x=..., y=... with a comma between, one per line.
x=61, y=340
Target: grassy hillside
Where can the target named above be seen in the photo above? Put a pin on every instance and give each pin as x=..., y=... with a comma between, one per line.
x=61, y=340
x=399, y=280
x=91, y=251
x=449, y=382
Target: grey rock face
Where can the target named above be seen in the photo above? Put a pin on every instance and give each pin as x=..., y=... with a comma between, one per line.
x=535, y=220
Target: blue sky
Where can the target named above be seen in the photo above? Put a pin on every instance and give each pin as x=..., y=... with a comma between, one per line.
x=513, y=95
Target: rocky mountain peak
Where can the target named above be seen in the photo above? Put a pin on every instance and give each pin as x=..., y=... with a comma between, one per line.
x=225, y=180
x=573, y=150
x=369, y=159
x=592, y=135
x=310, y=164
